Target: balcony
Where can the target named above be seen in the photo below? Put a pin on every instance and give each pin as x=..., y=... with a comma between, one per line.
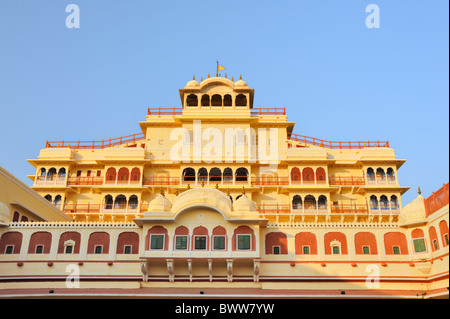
x=349, y=209
x=85, y=181
x=96, y=144
x=50, y=181
x=381, y=180
x=347, y=181
x=161, y=181
x=270, y=181
x=384, y=209
x=100, y=211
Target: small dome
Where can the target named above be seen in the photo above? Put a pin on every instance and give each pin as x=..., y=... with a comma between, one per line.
x=240, y=83
x=414, y=212
x=192, y=83
x=160, y=204
x=4, y=214
x=244, y=203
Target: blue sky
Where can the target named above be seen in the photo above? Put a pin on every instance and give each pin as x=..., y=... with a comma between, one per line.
x=337, y=79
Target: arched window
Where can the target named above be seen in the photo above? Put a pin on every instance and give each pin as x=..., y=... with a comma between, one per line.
x=111, y=174
x=322, y=202
x=227, y=175
x=381, y=176
x=62, y=173
x=192, y=100
x=384, y=204
x=124, y=175
x=16, y=217
x=295, y=174
x=109, y=202
x=57, y=201
x=390, y=174
x=24, y=218
x=216, y=100
x=205, y=100
x=370, y=174
x=394, y=202
x=120, y=202
x=373, y=202
x=48, y=197
x=297, y=202
x=227, y=101
x=241, y=174
x=43, y=173
x=310, y=202
x=189, y=175
x=241, y=100
x=321, y=175
x=308, y=175
x=135, y=175
x=133, y=202
x=202, y=175
x=51, y=174
x=215, y=175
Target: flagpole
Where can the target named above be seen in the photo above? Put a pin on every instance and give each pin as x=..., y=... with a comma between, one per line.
x=217, y=69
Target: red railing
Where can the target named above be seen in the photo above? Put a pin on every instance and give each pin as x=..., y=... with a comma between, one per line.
x=81, y=208
x=96, y=144
x=273, y=209
x=336, y=145
x=85, y=181
x=161, y=181
x=164, y=111
x=346, y=180
x=349, y=209
x=268, y=111
x=264, y=181
x=437, y=200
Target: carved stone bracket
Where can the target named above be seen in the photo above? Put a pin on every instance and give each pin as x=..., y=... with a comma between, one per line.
x=144, y=269
x=170, y=270
x=190, y=269
x=210, y=270
x=256, y=264
x=230, y=270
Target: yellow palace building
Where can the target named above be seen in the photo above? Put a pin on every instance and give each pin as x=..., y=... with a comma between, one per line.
x=222, y=198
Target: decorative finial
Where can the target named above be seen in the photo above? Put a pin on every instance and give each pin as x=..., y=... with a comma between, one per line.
x=228, y=191
x=189, y=186
x=176, y=191
x=243, y=190
x=217, y=186
x=232, y=79
x=193, y=78
x=208, y=75
x=225, y=75
x=201, y=78
x=203, y=183
x=420, y=192
x=162, y=191
x=240, y=77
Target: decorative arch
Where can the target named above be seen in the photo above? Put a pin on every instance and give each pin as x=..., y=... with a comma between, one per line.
x=297, y=202
x=365, y=239
x=305, y=239
x=332, y=237
x=215, y=175
x=111, y=174
x=276, y=239
x=128, y=239
x=205, y=100
x=241, y=100
x=202, y=175
x=321, y=175
x=11, y=238
x=308, y=175
x=188, y=174
x=40, y=238
x=69, y=236
x=443, y=229
x=98, y=239
x=227, y=100
x=200, y=231
x=295, y=175
x=135, y=174
x=192, y=100
x=433, y=238
x=216, y=100
x=242, y=174
x=243, y=230
x=395, y=239
x=123, y=175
